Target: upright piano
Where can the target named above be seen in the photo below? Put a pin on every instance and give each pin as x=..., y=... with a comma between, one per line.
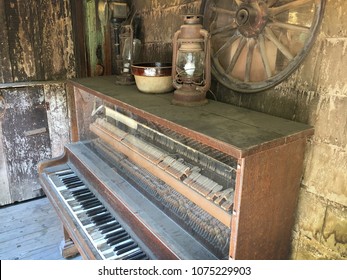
x=145, y=179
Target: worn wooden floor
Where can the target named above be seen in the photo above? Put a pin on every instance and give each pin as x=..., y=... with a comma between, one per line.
x=30, y=231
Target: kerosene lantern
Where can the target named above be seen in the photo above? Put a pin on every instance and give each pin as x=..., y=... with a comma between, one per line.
x=191, y=66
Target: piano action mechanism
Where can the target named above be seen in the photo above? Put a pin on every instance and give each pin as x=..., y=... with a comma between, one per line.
x=144, y=179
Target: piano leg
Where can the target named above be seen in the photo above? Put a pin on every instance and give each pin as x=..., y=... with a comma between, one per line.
x=68, y=248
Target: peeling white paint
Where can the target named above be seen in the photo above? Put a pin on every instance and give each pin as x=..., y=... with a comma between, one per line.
x=58, y=120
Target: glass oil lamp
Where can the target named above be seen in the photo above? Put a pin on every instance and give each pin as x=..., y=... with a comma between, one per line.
x=126, y=47
x=118, y=10
x=130, y=50
x=191, y=66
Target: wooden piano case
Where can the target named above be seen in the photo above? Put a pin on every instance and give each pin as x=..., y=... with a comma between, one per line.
x=267, y=151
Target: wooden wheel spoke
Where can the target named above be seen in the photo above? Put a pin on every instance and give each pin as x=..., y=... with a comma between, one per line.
x=264, y=56
x=236, y=56
x=249, y=59
x=289, y=6
x=256, y=44
x=226, y=45
x=283, y=49
x=271, y=2
x=224, y=11
x=289, y=26
x=222, y=29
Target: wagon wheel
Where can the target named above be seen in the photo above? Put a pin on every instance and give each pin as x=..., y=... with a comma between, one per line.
x=256, y=44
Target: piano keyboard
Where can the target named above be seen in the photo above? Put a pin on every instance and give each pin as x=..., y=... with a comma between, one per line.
x=108, y=236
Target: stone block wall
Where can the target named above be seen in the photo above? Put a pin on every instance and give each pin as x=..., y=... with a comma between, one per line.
x=321, y=228
x=315, y=94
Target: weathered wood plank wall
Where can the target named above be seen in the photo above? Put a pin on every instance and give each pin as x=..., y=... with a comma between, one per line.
x=39, y=39
x=36, y=48
x=159, y=21
x=5, y=63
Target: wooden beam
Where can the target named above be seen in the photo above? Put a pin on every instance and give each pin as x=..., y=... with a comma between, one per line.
x=5, y=62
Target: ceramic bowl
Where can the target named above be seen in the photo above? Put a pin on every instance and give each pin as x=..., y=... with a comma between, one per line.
x=153, y=77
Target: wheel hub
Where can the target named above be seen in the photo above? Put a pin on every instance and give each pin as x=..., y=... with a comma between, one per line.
x=251, y=18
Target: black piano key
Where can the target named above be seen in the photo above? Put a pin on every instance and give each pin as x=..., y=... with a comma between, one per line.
x=100, y=217
x=70, y=180
x=130, y=246
x=90, y=203
x=84, y=196
x=88, y=199
x=120, y=238
x=113, y=233
x=123, y=242
x=96, y=229
x=114, y=237
x=87, y=193
x=103, y=220
x=64, y=173
x=143, y=257
x=138, y=255
x=107, y=228
x=73, y=175
x=75, y=185
x=95, y=211
x=123, y=239
x=80, y=191
x=66, y=177
x=92, y=206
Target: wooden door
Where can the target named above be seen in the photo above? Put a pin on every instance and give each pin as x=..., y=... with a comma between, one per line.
x=25, y=141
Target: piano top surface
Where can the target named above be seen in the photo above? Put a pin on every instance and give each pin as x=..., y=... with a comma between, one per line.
x=237, y=130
